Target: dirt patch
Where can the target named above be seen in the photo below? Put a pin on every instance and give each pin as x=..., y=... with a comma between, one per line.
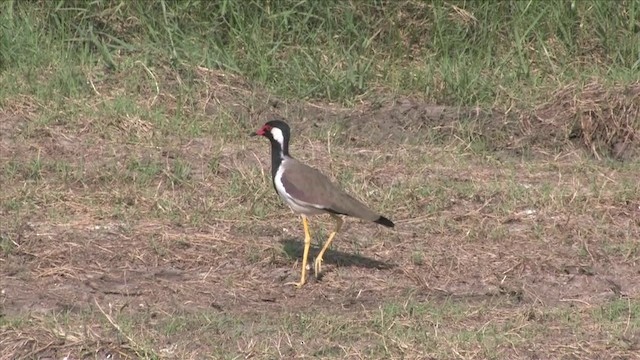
x=10, y=128
x=598, y=118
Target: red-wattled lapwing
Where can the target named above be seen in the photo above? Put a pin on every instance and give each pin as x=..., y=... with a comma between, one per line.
x=308, y=192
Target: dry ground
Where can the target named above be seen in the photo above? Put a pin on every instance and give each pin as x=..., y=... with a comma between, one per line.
x=134, y=236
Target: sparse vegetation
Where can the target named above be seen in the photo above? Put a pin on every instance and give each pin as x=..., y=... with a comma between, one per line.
x=137, y=220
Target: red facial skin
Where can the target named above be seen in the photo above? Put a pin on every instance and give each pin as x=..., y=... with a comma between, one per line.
x=263, y=130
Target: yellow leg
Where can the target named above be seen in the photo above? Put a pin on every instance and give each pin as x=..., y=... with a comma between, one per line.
x=318, y=262
x=305, y=255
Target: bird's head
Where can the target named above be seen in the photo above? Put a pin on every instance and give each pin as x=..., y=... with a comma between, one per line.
x=274, y=130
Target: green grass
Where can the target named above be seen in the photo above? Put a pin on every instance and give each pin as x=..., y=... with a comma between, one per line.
x=460, y=53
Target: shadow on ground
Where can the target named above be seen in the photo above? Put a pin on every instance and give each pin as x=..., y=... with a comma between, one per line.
x=294, y=248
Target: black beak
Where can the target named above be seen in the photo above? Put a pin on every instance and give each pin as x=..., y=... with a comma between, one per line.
x=253, y=133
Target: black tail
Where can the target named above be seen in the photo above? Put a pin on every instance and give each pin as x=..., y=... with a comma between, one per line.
x=384, y=221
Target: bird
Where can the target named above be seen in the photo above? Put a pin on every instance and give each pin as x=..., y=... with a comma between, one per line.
x=309, y=192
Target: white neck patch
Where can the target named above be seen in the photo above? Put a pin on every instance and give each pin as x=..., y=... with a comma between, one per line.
x=278, y=136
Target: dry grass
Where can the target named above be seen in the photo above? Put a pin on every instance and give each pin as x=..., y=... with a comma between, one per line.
x=603, y=118
x=134, y=235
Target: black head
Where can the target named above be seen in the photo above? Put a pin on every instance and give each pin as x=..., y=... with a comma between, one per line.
x=266, y=129
x=278, y=132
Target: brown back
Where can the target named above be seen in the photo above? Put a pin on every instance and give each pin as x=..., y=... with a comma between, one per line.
x=311, y=186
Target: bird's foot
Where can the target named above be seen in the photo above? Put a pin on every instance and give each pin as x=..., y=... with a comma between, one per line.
x=298, y=284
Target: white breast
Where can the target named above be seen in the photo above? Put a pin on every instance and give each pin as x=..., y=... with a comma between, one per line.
x=297, y=206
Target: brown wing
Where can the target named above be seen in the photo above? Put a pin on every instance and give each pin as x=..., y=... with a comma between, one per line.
x=311, y=186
